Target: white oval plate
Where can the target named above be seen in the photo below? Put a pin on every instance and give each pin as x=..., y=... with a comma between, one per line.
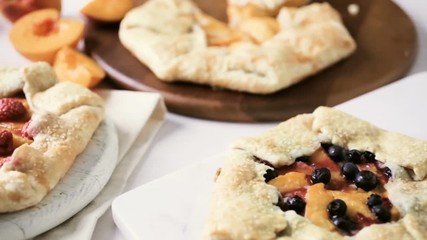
x=82, y=183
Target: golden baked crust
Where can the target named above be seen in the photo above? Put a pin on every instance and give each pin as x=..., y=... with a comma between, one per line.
x=228, y=218
x=64, y=118
x=260, y=54
x=11, y=81
x=247, y=199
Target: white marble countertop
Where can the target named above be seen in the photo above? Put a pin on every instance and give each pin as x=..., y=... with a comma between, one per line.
x=182, y=140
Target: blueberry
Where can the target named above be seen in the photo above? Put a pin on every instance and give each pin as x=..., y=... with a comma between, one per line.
x=349, y=170
x=295, y=203
x=325, y=146
x=281, y=203
x=366, y=180
x=368, y=156
x=321, y=175
x=337, y=208
x=343, y=222
x=353, y=156
x=383, y=213
x=336, y=153
x=374, y=199
x=304, y=159
x=387, y=172
x=270, y=174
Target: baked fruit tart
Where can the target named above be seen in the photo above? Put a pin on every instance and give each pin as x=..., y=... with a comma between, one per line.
x=266, y=45
x=324, y=175
x=44, y=125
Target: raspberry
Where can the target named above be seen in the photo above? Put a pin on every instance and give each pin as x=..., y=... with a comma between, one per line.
x=26, y=131
x=11, y=109
x=6, y=143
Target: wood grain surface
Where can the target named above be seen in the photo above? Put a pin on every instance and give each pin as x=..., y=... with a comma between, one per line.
x=387, y=46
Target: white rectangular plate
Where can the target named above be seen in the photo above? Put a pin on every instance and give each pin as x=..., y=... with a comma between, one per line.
x=174, y=206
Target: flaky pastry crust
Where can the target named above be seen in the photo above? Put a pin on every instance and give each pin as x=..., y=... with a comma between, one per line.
x=64, y=118
x=171, y=38
x=243, y=206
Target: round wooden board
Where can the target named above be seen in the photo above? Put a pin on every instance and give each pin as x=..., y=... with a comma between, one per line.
x=387, y=46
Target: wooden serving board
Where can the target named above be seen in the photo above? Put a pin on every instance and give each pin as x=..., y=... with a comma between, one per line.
x=387, y=46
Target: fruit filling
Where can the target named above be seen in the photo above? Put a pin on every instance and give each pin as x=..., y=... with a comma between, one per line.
x=45, y=27
x=335, y=188
x=14, y=115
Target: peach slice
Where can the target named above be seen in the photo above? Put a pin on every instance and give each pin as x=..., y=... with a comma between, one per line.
x=237, y=14
x=317, y=201
x=71, y=65
x=107, y=10
x=260, y=28
x=289, y=182
x=356, y=202
x=40, y=34
x=217, y=32
x=14, y=9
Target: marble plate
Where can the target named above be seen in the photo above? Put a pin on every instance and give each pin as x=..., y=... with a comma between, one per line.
x=82, y=183
x=171, y=207
x=175, y=206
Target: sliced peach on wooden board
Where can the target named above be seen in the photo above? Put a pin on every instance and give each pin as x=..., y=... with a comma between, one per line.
x=260, y=28
x=14, y=9
x=217, y=32
x=73, y=66
x=107, y=10
x=40, y=34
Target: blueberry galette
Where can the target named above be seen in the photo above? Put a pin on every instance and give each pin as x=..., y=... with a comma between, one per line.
x=325, y=175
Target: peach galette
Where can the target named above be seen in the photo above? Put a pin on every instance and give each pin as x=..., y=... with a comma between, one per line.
x=324, y=175
x=265, y=46
x=44, y=125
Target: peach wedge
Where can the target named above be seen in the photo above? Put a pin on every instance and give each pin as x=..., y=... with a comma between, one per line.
x=106, y=10
x=71, y=65
x=40, y=34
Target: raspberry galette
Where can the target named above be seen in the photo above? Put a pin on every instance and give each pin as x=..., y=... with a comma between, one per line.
x=44, y=125
x=324, y=175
